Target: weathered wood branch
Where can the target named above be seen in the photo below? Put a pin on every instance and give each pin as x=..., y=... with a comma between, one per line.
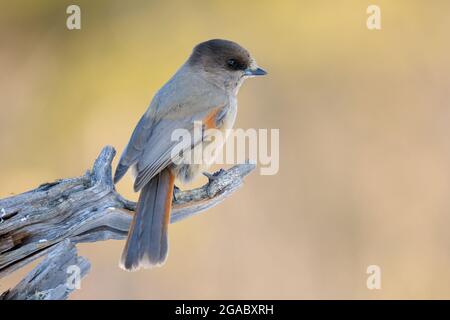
x=86, y=209
x=54, y=278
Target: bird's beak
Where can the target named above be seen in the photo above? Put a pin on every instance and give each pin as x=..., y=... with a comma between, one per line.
x=255, y=72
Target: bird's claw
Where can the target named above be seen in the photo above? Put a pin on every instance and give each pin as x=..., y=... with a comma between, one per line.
x=176, y=190
x=213, y=176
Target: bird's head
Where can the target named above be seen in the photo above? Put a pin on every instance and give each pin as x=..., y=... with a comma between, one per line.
x=225, y=61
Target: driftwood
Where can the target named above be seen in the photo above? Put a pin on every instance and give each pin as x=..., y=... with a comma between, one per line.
x=50, y=219
x=54, y=278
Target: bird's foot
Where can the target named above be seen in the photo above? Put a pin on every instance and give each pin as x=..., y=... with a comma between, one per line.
x=213, y=176
x=176, y=190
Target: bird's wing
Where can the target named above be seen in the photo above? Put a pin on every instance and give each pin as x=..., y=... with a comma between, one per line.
x=135, y=146
x=176, y=106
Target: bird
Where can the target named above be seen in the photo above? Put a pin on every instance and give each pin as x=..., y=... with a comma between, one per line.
x=204, y=89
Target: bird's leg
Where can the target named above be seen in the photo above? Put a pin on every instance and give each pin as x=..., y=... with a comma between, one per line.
x=213, y=176
x=176, y=190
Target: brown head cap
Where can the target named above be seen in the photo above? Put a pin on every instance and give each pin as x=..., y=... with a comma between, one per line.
x=220, y=54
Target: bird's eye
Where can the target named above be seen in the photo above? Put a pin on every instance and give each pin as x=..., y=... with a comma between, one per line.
x=232, y=63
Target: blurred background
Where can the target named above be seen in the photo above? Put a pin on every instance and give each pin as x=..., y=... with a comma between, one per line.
x=363, y=115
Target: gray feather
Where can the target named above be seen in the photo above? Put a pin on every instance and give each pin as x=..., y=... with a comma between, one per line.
x=180, y=102
x=147, y=243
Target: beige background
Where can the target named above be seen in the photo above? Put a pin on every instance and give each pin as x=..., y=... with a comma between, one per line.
x=364, y=126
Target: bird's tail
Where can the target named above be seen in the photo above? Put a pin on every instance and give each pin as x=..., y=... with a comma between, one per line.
x=147, y=243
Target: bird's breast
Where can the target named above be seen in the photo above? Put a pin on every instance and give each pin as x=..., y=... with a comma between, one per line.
x=214, y=136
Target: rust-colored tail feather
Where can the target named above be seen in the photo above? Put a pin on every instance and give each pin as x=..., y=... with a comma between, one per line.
x=147, y=243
